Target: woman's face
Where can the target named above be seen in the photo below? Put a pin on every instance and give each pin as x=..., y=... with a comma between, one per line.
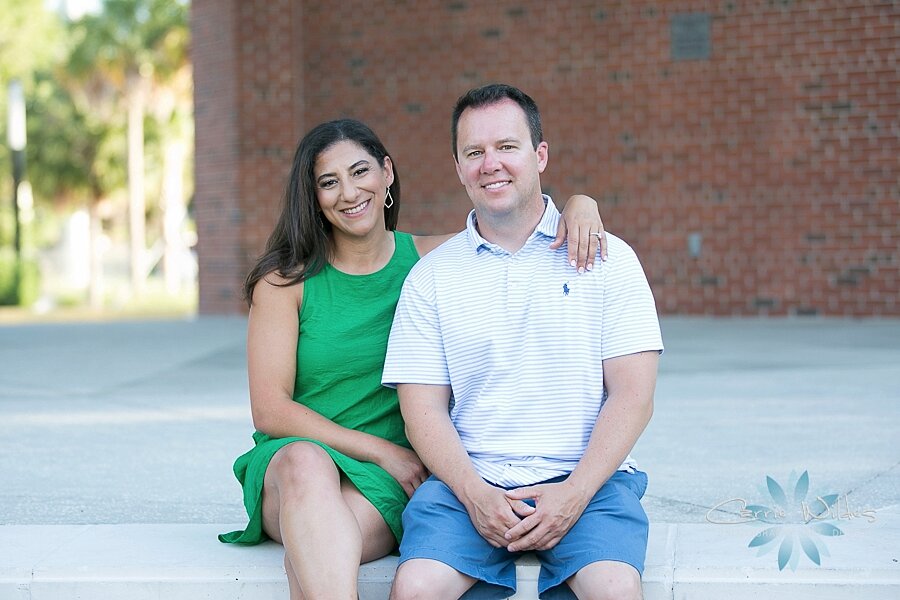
x=350, y=187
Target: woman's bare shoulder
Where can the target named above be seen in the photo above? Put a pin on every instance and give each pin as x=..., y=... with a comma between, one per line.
x=274, y=288
x=427, y=243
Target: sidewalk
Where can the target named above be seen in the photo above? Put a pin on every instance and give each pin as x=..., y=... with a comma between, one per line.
x=136, y=424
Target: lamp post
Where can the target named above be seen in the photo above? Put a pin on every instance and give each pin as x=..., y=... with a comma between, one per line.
x=16, y=138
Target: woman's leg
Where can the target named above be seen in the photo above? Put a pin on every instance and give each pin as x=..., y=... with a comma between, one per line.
x=326, y=526
x=293, y=585
x=377, y=539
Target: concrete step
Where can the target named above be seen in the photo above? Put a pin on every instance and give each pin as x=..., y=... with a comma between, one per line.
x=186, y=562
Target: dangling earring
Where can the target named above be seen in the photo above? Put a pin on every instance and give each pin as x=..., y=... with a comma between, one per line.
x=388, y=199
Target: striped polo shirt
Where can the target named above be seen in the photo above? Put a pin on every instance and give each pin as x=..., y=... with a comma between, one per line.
x=521, y=339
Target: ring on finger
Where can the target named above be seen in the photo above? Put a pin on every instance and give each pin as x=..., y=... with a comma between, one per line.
x=596, y=234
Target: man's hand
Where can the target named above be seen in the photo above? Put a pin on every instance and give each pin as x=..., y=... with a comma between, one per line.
x=557, y=507
x=493, y=514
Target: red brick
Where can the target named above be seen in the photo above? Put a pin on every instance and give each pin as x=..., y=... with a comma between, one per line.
x=789, y=130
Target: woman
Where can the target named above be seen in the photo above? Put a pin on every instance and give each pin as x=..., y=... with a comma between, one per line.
x=331, y=469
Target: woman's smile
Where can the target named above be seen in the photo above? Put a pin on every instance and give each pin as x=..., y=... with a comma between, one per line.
x=355, y=210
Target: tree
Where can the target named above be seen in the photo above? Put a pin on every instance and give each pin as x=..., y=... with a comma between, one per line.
x=128, y=48
x=87, y=83
x=78, y=157
x=21, y=23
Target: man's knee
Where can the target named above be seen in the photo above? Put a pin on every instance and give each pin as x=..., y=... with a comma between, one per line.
x=422, y=578
x=607, y=580
x=409, y=587
x=410, y=583
x=620, y=589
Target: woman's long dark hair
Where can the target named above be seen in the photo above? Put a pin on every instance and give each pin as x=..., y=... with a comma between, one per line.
x=298, y=248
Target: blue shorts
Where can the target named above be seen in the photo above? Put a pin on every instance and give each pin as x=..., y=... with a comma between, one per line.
x=613, y=527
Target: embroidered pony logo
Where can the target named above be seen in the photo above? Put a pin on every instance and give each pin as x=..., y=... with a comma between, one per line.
x=566, y=289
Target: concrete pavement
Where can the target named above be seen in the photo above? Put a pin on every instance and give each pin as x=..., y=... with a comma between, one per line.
x=136, y=424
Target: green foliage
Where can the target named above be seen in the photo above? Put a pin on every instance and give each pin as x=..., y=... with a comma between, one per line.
x=19, y=280
x=78, y=77
x=130, y=43
x=32, y=38
x=29, y=282
x=7, y=222
x=131, y=37
x=64, y=142
x=9, y=278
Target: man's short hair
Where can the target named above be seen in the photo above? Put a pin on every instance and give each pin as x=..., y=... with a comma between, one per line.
x=493, y=93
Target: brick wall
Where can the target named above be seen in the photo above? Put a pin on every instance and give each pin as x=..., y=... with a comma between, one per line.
x=216, y=176
x=248, y=106
x=747, y=150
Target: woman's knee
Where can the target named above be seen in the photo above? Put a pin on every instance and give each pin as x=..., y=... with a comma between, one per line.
x=300, y=463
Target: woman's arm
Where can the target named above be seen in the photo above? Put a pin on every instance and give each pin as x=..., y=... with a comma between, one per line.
x=272, y=334
x=427, y=243
x=580, y=224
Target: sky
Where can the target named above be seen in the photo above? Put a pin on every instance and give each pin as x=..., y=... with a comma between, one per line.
x=75, y=9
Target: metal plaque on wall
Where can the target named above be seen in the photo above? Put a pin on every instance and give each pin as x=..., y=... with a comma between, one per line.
x=690, y=36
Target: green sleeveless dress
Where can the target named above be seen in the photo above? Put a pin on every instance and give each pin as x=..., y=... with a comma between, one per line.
x=345, y=321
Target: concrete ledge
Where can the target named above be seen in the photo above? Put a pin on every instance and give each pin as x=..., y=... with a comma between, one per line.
x=175, y=562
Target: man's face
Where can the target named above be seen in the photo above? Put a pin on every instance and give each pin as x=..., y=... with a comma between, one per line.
x=495, y=159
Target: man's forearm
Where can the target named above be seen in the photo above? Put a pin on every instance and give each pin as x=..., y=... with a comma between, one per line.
x=612, y=439
x=434, y=437
x=624, y=417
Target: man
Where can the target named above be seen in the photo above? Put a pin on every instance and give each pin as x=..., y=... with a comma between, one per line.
x=503, y=359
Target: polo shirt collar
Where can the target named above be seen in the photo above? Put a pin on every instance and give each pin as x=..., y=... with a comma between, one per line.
x=546, y=226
